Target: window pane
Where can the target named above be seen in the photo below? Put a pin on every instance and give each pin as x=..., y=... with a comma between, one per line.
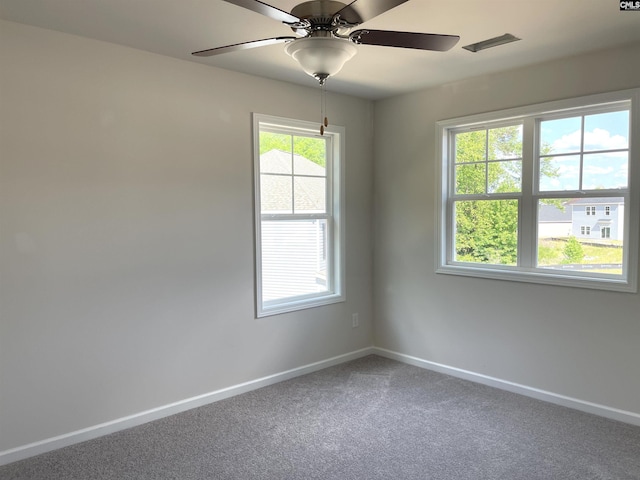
x=471, y=146
x=471, y=178
x=581, y=234
x=478, y=167
x=309, y=191
x=486, y=231
x=294, y=258
x=505, y=142
x=606, y=131
x=561, y=136
x=560, y=173
x=505, y=176
x=603, y=132
x=605, y=170
x=309, y=195
x=276, y=194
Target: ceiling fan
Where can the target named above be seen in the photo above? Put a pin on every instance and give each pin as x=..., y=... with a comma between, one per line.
x=326, y=36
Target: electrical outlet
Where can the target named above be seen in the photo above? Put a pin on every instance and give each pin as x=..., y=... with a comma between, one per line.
x=355, y=320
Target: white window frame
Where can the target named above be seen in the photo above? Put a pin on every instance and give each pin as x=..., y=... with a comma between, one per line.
x=334, y=216
x=526, y=270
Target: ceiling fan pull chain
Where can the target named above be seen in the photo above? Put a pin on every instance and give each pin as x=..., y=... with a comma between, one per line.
x=323, y=109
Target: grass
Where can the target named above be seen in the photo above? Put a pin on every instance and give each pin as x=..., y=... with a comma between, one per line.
x=551, y=252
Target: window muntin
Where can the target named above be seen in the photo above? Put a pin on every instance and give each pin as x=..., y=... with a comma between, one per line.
x=488, y=161
x=585, y=152
x=299, y=259
x=575, y=158
x=487, y=167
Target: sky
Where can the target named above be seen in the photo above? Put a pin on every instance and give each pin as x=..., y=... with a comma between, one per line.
x=604, y=153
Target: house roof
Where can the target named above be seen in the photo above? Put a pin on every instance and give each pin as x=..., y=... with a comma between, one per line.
x=551, y=213
x=291, y=183
x=596, y=201
x=278, y=161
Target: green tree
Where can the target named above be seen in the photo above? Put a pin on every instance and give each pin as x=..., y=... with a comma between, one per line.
x=488, y=162
x=573, y=251
x=486, y=230
x=308, y=147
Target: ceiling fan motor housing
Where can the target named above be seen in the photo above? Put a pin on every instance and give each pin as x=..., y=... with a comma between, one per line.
x=319, y=13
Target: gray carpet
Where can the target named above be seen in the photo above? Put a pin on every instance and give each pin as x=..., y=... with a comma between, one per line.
x=371, y=418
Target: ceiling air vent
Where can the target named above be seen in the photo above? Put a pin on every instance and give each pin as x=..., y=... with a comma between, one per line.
x=491, y=42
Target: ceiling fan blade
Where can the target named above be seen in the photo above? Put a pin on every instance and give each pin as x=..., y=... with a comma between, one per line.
x=421, y=41
x=267, y=10
x=242, y=46
x=359, y=11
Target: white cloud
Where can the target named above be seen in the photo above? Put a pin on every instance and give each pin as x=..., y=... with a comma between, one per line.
x=622, y=172
x=595, y=170
x=598, y=139
x=567, y=143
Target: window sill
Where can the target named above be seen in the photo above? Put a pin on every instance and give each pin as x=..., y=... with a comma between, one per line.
x=292, y=306
x=540, y=276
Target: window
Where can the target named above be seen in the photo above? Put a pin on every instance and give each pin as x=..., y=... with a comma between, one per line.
x=522, y=190
x=299, y=217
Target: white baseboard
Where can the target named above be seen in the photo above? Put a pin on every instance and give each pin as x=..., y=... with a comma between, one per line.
x=43, y=446
x=49, y=444
x=577, y=404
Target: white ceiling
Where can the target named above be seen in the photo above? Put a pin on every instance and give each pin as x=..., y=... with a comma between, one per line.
x=548, y=28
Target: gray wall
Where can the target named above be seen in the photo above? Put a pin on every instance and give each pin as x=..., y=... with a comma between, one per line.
x=126, y=239
x=573, y=342
x=126, y=225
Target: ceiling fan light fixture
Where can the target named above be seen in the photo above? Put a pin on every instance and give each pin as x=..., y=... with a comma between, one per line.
x=491, y=42
x=321, y=57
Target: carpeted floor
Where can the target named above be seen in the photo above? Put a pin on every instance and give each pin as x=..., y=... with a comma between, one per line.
x=368, y=419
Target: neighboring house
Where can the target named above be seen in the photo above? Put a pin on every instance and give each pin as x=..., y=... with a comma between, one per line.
x=596, y=218
x=292, y=184
x=553, y=221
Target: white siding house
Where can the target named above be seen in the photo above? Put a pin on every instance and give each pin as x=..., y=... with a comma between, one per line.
x=597, y=218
